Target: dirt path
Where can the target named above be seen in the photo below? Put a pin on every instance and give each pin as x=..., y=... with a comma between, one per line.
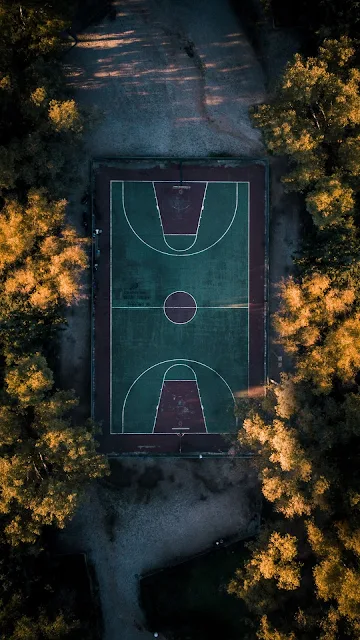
x=150, y=515
x=169, y=78
x=165, y=78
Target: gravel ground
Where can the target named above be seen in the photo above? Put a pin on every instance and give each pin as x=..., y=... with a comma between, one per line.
x=169, y=77
x=166, y=78
x=154, y=513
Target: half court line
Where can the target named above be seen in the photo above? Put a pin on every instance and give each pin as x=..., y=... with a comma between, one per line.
x=235, y=306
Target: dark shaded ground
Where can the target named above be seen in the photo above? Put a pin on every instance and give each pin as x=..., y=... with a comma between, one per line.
x=274, y=46
x=190, y=600
x=91, y=12
x=73, y=587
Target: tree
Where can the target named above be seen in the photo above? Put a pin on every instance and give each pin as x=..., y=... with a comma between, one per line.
x=28, y=379
x=330, y=201
x=267, y=632
x=43, y=258
x=336, y=575
x=273, y=567
x=46, y=460
x=32, y=599
x=314, y=120
x=64, y=116
x=45, y=467
x=338, y=356
x=349, y=155
x=308, y=307
x=40, y=123
x=306, y=452
x=318, y=322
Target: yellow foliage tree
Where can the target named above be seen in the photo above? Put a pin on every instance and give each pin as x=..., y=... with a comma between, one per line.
x=317, y=322
x=308, y=307
x=314, y=119
x=288, y=471
x=49, y=276
x=43, y=472
x=267, y=632
x=273, y=566
x=330, y=201
x=338, y=355
x=28, y=379
x=65, y=116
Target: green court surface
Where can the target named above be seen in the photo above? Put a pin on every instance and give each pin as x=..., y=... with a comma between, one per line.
x=147, y=266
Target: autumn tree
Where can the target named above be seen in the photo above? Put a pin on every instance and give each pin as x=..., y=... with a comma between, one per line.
x=45, y=460
x=36, y=603
x=300, y=441
x=305, y=436
x=317, y=17
x=318, y=322
x=41, y=268
x=330, y=201
x=273, y=567
x=40, y=123
x=314, y=119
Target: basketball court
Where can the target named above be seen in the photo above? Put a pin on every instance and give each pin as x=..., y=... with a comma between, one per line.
x=179, y=301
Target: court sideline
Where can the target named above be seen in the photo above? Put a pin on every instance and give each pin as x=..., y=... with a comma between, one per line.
x=100, y=72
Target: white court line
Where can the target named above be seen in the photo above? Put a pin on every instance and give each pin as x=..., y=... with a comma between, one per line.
x=111, y=307
x=186, y=321
x=178, y=255
x=165, y=362
x=187, y=181
x=180, y=234
x=162, y=386
x=235, y=306
x=248, y=257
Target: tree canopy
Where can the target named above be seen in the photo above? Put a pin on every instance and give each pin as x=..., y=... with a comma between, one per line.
x=315, y=120
x=46, y=457
x=302, y=579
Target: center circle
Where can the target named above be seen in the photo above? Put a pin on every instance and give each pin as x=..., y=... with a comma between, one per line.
x=180, y=307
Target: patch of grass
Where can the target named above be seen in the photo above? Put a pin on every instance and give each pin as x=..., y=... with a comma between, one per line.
x=190, y=600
